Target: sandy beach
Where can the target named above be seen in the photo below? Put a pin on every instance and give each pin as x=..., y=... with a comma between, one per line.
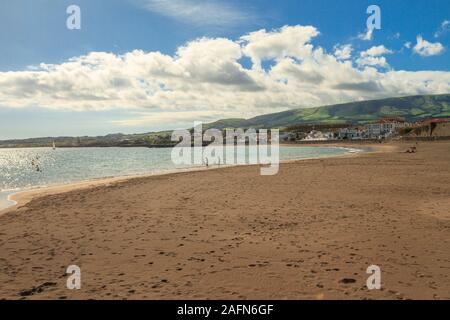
x=309, y=232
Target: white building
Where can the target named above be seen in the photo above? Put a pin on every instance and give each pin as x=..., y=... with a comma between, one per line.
x=351, y=134
x=384, y=128
x=319, y=136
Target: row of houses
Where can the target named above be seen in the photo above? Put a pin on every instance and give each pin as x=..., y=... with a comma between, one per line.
x=382, y=129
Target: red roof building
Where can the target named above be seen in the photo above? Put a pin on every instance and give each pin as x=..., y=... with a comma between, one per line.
x=392, y=120
x=436, y=120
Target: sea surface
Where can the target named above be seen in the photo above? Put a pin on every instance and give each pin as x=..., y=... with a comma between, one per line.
x=29, y=168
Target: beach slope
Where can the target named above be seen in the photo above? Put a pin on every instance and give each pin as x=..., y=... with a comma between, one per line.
x=309, y=232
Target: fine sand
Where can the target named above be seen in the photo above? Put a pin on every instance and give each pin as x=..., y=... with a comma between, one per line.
x=309, y=232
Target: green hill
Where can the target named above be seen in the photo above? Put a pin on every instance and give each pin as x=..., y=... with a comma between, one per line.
x=413, y=108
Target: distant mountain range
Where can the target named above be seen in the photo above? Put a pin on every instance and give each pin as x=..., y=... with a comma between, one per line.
x=413, y=108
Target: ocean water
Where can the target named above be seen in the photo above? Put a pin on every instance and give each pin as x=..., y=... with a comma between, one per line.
x=18, y=167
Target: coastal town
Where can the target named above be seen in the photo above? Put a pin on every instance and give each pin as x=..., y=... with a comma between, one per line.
x=383, y=129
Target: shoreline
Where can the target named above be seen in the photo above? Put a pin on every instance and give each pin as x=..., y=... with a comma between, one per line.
x=23, y=197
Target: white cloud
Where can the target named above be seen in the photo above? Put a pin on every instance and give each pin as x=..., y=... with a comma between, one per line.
x=376, y=51
x=367, y=36
x=408, y=45
x=289, y=41
x=444, y=28
x=198, y=12
x=205, y=79
x=343, y=52
x=374, y=57
x=427, y=49
x=373, y=61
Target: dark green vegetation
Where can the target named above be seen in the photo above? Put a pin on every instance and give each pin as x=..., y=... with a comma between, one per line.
x=413, y=109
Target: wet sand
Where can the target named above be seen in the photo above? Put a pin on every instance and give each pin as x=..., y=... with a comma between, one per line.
x=309, y=232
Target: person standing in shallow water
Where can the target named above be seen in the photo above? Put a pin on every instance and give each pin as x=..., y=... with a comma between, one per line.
x=35, y=164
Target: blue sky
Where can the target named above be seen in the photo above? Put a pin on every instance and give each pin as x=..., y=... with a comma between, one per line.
x=34, y=32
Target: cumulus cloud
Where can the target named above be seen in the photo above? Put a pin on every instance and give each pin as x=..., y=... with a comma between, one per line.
x=374, y=57
x=343, y=52
x=206, y=79
x=376, y=51
x=427, y=49
x=198, y=12
x=289, y=41
x=373, y=61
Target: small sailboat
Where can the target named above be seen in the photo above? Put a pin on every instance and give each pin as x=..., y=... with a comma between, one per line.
x=54, y=146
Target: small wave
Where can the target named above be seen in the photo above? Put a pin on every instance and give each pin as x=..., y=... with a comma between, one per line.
x=11, y=190
x=352, y=150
